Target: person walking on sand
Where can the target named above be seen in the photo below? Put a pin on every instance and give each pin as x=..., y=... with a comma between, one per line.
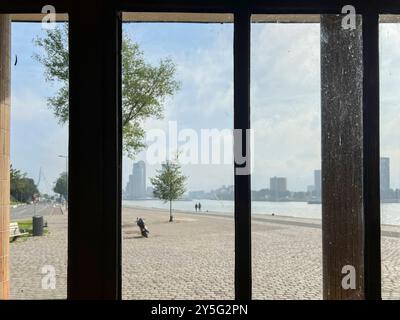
x=199, y=206
x=195, y=207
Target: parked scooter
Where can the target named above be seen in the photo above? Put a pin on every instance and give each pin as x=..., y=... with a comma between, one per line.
x=143, y=229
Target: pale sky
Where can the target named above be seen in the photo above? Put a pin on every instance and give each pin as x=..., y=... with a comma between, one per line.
x=285, y=99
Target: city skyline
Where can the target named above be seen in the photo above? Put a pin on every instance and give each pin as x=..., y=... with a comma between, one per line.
x=138, y=187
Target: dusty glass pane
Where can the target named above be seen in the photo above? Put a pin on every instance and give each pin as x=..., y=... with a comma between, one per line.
x=191, y=257
x=38, y=159
x=389, y=30
x=286, y=179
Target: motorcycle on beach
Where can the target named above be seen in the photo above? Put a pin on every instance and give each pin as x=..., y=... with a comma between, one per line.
x=143, y=229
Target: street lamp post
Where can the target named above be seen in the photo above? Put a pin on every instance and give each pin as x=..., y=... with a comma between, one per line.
x=66, y=173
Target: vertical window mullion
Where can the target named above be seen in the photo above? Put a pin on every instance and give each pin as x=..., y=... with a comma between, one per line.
x=372, y=236
x=342, y=157
x=243, y=279
x=95, y=154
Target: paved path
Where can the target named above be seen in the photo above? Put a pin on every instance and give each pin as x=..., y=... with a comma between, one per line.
x=29, y=256
x=28, y=211
x=193, y=258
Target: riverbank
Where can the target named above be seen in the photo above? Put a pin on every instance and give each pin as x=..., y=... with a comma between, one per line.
x=386, y=230
x=390, y=212
x=193, y=258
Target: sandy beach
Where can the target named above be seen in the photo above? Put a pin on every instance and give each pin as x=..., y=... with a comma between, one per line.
x=193, y=258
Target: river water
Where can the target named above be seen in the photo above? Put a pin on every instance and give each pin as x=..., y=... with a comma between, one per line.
x=390, y=212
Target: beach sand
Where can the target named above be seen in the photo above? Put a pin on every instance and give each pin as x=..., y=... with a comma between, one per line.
x=193, y=258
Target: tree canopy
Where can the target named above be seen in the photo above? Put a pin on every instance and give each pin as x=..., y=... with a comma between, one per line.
x=145, y=87
x=61, y=185
x=169, y=183
x=22, y=188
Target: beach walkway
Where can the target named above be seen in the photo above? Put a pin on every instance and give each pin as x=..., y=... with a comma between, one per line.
x=193, y=258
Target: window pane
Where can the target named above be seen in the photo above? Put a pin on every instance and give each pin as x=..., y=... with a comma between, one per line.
x=286, y=180
x=39, y=155
x=389, y=30
x=191, y=257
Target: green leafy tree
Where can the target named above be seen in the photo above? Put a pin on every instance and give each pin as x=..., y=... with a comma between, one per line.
x=61, y=185
x=22, y=188
x=15, y=184
x=145, y=87
x=169, y=183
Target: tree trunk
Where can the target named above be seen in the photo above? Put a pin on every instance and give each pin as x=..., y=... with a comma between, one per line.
x=171, y=218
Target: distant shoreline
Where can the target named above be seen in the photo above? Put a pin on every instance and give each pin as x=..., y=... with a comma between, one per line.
x=387, y=230
x=309, y=222
x=310, y=201
x=216, y=213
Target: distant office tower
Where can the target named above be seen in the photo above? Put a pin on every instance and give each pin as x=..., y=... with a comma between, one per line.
x=310, y=189
x=384, y=165
x=136, y=187
x=150, y=192
x=317, y=183
x=277, y=186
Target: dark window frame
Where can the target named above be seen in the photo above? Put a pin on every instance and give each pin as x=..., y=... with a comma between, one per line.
x=94, y=256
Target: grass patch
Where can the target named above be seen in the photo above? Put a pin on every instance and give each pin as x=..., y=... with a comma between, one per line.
x=26, y=226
